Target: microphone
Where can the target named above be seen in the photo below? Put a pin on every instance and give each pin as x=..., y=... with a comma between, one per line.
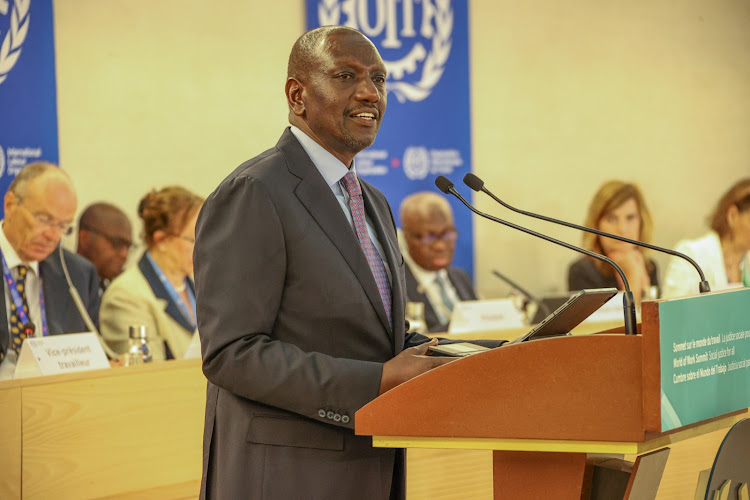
x=477, y=184
x=82, y=309
x=544, y=308
x=628, y=303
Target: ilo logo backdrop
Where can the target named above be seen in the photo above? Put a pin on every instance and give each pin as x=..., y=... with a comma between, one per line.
x=28, y=95
x=427, y=126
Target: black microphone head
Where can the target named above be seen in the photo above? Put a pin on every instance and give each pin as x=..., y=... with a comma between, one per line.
x=473, y=182
x=444, y=184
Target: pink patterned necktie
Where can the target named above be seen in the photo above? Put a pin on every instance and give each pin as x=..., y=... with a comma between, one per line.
x=357, y=207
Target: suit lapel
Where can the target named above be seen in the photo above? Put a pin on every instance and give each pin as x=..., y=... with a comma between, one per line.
x=161, y=292
x=313, y=192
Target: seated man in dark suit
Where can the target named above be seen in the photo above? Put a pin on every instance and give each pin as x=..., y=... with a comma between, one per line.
x=105, y=237
x=40, y=206
x=430, y=241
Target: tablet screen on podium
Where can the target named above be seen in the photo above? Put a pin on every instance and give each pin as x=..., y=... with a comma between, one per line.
x=569, y=315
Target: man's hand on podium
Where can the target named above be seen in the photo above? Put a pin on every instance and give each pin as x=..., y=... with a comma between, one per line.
x=408, y=364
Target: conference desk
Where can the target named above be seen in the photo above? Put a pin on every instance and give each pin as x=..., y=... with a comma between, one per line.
x=129, y=432
x=135, y=432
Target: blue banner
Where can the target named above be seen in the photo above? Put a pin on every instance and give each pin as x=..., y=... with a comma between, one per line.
x=28, y=93
x=427, y=126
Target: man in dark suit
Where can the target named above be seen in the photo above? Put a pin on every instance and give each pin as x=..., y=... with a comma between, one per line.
x=300, y=294
x=39, y=208
x=430, y=240
x=104, y=238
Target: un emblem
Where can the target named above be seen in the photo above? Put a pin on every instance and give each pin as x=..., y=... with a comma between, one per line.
x=416, y=162
x=14, y=37
x=413, y=37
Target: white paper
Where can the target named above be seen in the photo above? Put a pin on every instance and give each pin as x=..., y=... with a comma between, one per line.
x=72, y=352
x=477, y=315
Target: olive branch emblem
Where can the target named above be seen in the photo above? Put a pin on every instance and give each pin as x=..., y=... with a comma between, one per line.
x=14, y=38
x=434, y=64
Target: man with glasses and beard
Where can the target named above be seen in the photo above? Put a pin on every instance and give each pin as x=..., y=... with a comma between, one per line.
x=429, y=241
x=40, y=206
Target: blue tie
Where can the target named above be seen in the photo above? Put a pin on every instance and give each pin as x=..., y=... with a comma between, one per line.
x=447, y=302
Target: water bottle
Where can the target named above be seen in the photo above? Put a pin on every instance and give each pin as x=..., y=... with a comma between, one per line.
x=414, y=314
x=139, y=351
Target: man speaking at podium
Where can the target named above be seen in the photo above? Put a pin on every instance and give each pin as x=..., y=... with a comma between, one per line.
x=300, y=294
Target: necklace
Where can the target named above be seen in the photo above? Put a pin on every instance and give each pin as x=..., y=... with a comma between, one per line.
x=181, y=288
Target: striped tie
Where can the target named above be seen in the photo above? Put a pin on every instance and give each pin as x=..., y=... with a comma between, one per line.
x=357, y=208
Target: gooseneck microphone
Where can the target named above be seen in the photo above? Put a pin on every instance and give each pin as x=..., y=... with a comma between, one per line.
x=477, y=184
x=628, y=304
x=542, y=306
x=82, y=308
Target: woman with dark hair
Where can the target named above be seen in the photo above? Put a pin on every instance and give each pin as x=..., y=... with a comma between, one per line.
x=159, y=292
x=617, y=208
x=723, y=253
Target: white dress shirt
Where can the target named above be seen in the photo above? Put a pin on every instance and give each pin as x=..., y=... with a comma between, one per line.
x=8, y=365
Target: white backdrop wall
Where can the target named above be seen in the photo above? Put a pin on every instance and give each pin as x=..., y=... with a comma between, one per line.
x=565, y=95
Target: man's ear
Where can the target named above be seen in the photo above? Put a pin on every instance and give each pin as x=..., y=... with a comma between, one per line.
x=84, y=238
x=9, y=201
x=295, y=96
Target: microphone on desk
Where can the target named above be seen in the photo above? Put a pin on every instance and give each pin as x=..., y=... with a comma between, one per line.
x=540, y=303
x=477, y=184
x=628, y=303
x=82, y=308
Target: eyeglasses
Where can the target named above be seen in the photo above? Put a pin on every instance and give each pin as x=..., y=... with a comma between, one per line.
x=188, y=239
x=429, y=239
x=47, y=221
x=117, y=243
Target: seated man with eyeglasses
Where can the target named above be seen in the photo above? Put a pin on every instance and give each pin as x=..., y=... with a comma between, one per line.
x=40, y=206
x=105, y=237
x=429, y=238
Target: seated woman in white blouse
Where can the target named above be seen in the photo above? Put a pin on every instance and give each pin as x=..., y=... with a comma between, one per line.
x=159, y=292
x=723, y=253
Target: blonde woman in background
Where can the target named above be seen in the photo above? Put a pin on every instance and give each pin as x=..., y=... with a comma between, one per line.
x=723, y=253
x=617, y=208
x=159, y=292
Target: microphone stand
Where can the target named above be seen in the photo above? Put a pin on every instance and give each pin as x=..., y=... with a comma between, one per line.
x=628, y=303
x=477, y=184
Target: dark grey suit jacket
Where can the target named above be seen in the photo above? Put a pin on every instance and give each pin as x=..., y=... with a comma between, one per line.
x=62, y=314
x=294, y=334
x=461, y=282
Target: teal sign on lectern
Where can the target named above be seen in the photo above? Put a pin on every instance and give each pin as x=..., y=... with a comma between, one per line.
x=705, y=357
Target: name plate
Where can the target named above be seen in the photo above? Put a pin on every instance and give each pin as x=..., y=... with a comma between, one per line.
x=60, y=354
x=476, y=315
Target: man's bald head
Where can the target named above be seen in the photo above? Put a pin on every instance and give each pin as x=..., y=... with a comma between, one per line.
x=39, y=206
x=429, y=233
x=308, y=49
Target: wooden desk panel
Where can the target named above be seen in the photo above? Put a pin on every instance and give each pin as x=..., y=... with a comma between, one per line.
x=111, y=432
x=10, y=440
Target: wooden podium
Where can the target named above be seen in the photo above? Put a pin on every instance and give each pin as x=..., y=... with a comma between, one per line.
x=541, y=406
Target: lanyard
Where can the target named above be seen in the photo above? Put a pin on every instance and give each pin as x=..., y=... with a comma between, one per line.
x=174, y=295
x=18, y=302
